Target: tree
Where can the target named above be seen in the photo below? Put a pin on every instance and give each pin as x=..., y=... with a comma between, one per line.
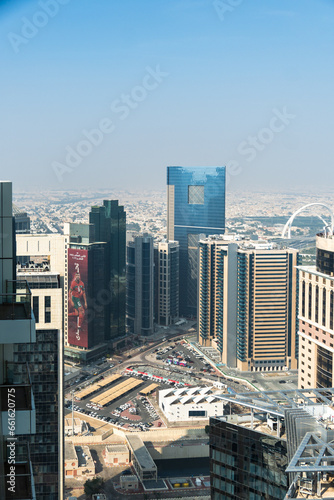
x=92, y=486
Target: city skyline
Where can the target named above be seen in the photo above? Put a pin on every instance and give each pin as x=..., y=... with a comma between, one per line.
x=119, y=91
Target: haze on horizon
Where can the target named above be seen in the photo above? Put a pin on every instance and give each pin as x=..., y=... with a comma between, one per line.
x=184, y=82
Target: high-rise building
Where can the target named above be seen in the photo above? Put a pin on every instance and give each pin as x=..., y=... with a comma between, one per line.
x=22, y=221
x=31, y=443
x=140, y=285
x=276, y=445
x=86, y=294
x=217, y=297
x=87, y=328
x=166, y=282
x=45, y=360
x=109, y=223
x=248, y=303
x=316, y=317
x=195, y=206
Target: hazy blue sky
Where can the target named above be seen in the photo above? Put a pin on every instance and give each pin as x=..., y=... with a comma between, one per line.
x=244, y=82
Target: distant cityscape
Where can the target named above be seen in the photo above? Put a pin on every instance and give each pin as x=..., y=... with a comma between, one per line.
x=166, y=250
x=146, y=211
x=176, y=325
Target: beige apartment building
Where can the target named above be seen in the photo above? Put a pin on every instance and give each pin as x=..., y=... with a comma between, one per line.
x=247, y=305
x=316, y=328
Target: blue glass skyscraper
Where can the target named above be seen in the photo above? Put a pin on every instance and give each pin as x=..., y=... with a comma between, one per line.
x=196, y=206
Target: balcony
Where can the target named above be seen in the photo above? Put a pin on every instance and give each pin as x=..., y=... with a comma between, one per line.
x=23, y=484
x=16, y=394
x=17, y=321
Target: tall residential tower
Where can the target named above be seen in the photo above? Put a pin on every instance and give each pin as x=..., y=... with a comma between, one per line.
x=166, y=282
x=248, y=303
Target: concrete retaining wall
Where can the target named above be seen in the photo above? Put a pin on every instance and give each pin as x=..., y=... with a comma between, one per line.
x=176, y=450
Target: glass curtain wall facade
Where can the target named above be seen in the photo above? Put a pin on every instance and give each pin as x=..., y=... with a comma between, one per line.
x=196, y=207
x=246, y=464
x=140, y=285
x=22, y=223
x=110, y=226
x=31, y=369
x=42, y=357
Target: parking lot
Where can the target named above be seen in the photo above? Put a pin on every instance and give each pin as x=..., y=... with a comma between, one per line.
x=131, y=411
x=182, y=355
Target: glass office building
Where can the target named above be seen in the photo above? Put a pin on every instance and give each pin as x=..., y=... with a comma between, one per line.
x=140, y=285
x=31, y=371
x=246, y=464
x=110, y=226
x=43, y=359
x=196, y=206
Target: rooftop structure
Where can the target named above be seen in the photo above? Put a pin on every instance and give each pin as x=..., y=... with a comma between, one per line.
x=190, y=403
x=284, y=437
x=141, y=459
x=78, y=460
x=116, y=454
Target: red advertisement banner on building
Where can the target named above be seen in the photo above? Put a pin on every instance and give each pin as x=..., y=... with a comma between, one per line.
x=77, y=298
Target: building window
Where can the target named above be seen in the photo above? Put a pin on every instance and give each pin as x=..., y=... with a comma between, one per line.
x=310, y=301
x=197, y=413
x=47, y=309
x=35, y=307
x=324, y=306
x=324, y=367
x=196, y=195
x=316, y=305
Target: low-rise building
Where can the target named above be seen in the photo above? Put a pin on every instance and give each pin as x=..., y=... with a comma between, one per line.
x=141, y=460
x=195, y=403
x=73, y=426
x=117, y=454
x=78, y=460
x=129, y=482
